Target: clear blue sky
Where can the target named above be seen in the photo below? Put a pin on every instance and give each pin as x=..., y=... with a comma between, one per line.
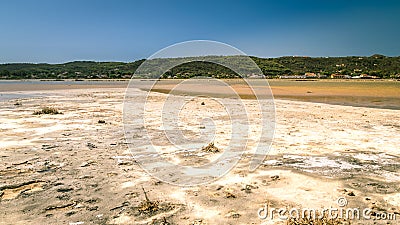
x=56, y=31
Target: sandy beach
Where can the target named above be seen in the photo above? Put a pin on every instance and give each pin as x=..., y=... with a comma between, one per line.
x=76, y=167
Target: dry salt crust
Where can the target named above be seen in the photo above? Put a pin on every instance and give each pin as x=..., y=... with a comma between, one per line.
x=70, y=169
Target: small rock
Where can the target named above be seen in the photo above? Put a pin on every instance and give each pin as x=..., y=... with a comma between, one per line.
x=19, y=163
x=229, y=195
x=70, y=213
x=88, y=163
x=275, y=177
x=247, y=188
x=54, y=207
x=202, y=103
x=123, y=162
x=85, y=177
x=45, y=168
x=76, y=223
x=92, y=200
x=46, y=147
x=351, y=194
x=64, y=189
x=79, y=205
x=63, y=197
x=232, y=214
x=91, y=146
x=101, y=121
x=93, y=208
x=197, y=222
x=164, y=221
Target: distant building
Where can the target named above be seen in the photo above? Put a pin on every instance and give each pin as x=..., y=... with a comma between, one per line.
x=256, y=76
x=366, y=76
x=292, y=77
x=338, y=76
x=311, y=75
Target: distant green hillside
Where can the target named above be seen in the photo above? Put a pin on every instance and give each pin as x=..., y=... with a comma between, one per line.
x=376, y=65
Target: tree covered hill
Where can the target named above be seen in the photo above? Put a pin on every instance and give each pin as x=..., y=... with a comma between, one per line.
x=375, y=65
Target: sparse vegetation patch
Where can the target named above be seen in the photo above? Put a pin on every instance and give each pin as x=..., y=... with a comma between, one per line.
x=47, y=110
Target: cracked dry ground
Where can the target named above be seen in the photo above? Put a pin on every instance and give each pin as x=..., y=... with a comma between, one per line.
x=75, y=167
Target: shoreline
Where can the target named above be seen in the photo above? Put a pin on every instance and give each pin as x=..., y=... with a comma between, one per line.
x=374, y=94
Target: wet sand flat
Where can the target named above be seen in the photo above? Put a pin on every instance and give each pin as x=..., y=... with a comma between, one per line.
x=71, y=168
x=366, y=93
x=37, y=85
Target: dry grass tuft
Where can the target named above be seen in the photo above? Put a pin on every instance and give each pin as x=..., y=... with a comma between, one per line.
x=47, y=110
x=148, y=207
x=211, y=148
